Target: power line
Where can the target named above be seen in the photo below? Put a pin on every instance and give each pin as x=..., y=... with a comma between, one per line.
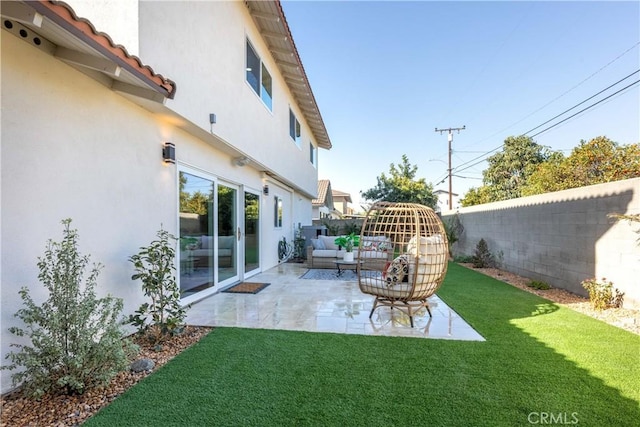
x=559, y=96
x=591, y=97
x=482, y=156
x=554, y=125
x=586, y=108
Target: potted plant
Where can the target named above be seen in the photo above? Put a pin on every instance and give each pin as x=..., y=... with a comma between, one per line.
x=347, y=242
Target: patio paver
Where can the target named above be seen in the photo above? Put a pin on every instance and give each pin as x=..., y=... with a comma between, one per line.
x=296, y=304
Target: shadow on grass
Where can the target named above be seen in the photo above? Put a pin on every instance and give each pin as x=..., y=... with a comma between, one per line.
x=565, y=362
x=540, y=363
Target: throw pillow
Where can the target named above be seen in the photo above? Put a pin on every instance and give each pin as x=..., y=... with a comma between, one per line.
x=368, y=245
x=317, y=244
x=398, y=271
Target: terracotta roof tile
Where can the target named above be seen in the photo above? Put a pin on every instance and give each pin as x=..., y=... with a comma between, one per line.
x=323, y=189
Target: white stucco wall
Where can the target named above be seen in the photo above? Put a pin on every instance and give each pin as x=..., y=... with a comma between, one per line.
x=71, y=147
x=117, y=18
x=201, y=45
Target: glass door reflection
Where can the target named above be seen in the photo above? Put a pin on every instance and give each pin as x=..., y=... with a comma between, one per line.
x=228, y=233
x=196, y=267
x=251, y=232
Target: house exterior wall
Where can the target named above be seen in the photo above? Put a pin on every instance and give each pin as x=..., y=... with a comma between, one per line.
x=107, y=176
x=562, y=238
x=443, y=200
x=72, y=148
x=202, y=46
x=118, y=18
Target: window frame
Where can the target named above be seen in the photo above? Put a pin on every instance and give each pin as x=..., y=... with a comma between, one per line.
x=295, y=129
x=278, y=211
x=313, y=155
x=259, y=88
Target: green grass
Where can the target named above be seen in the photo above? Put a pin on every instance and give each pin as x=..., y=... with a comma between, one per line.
x=538, y=358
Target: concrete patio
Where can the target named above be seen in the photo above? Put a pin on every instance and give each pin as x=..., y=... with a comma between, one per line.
x=334, y=306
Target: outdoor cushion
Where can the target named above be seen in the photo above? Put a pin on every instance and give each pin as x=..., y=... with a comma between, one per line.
x=329, y=242
x=225, y=242
x=397, y=271
x=318, y=244
x=401, y=290
x=427, y=246
x=325, y=253
x=206, y=242
x=370, y=254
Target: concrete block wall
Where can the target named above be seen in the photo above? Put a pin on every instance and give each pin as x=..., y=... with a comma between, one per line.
x=562, y=238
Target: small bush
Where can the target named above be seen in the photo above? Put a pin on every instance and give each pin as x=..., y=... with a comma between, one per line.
x=482, y=257
x=76, y=341
x=351, y=227
x=536, y=284
x=463, y=259
x=332, y=230
x=454, y=229
x=602, y=294
x=163, y=317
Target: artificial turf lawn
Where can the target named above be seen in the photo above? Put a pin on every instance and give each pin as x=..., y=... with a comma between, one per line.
x=541, y=362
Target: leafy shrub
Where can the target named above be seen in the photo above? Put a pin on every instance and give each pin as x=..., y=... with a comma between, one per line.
x=332, y=230
x=463, y=259
x=482, y=257
x=351, y=228
x=602, y=294
x=163, y=317
x=76, y=340
x=543, y=286
x=454, y=229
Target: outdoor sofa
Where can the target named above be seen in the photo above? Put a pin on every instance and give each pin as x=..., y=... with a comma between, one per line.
x=374, y=251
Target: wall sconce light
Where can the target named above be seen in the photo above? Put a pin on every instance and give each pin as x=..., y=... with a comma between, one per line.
x=212, y=118
x=241, y=161
x=265, y=190
x=169, y=152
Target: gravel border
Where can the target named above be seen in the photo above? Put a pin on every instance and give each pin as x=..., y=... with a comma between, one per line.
x=624, y=318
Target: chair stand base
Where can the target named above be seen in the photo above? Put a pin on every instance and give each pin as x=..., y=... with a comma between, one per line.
x=407, y=307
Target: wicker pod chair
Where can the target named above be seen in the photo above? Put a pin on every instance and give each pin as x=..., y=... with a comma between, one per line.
x=415, y=241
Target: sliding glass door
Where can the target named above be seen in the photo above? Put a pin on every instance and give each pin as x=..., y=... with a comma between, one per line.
x=196, y=240
x=251, y=232
x=229, y=233
x=219, y=237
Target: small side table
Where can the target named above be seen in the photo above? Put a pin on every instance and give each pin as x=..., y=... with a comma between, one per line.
x=342, y=264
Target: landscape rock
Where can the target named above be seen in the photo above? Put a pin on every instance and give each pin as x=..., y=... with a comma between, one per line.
x=142, y=365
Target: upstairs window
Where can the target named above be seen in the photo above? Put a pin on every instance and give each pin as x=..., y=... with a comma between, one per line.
x=258, y=77
x=294, y=128
x=313, y=155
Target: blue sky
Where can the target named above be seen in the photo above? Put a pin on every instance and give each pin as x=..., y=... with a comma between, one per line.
x=386, y=74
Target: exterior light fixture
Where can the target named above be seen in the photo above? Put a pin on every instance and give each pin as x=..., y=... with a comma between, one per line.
x=265, y=190
x=169, y=152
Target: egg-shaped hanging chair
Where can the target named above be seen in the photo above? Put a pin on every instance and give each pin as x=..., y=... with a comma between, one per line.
x=415, y=243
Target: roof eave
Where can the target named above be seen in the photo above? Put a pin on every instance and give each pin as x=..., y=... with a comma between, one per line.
x=55, y=23
x=277, y=35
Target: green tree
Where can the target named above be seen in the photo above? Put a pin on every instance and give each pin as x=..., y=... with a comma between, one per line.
x=476, y=196
x=510, y=168
x=597, y=161
x=401, y=186
x=548, y=176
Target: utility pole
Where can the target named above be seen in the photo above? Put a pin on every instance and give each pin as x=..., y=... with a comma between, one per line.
x=450, y=170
